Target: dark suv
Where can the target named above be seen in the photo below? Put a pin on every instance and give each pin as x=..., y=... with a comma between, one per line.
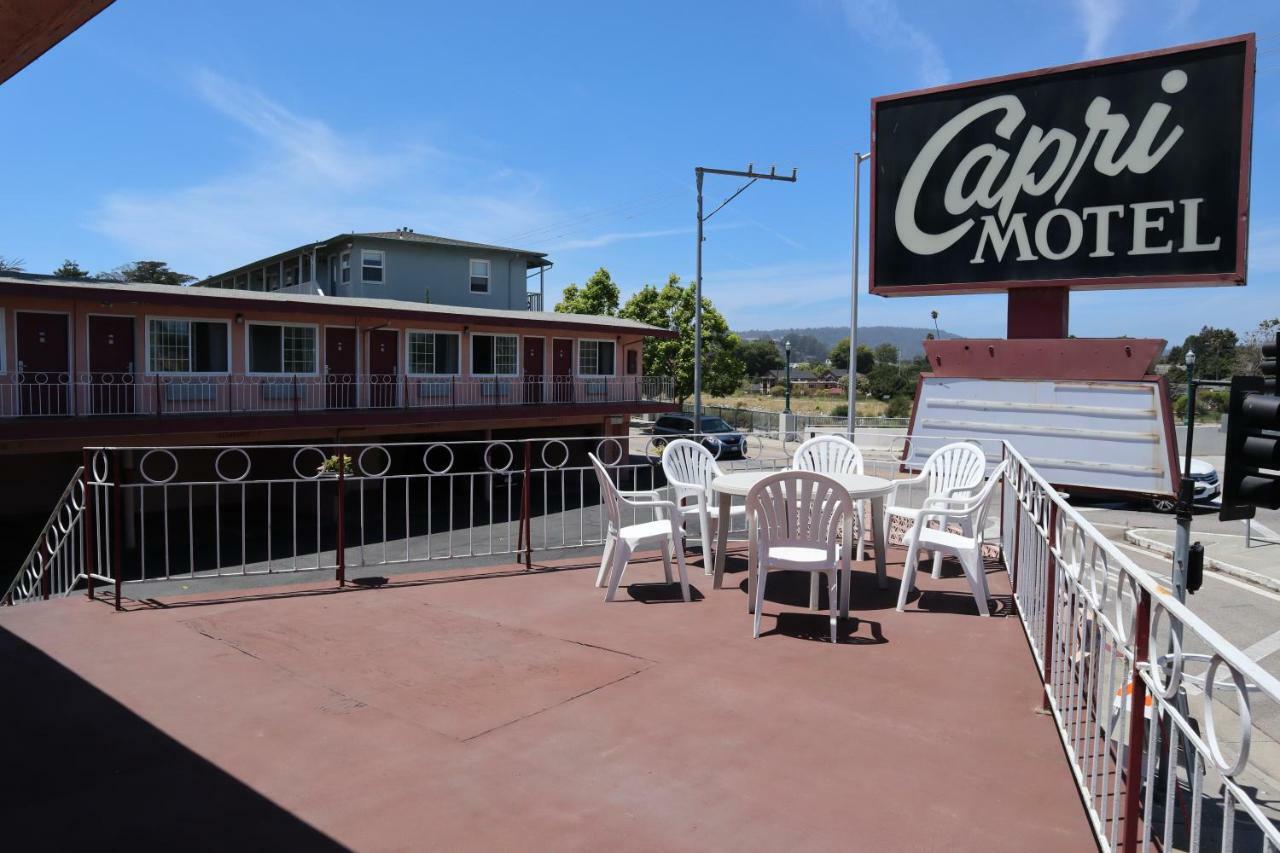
x=721, y=439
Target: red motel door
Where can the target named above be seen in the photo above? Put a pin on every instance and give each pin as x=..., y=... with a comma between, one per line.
x=111, y=373
x=340, y=368
x=562, y=365
x=44, y=362
x=384, y=373
x=533, y=348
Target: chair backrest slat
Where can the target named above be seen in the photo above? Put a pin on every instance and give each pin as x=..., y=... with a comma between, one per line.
x=960, y=465
x=828, y=454
x=798, y=508
x=688, y=464
x=608, y=495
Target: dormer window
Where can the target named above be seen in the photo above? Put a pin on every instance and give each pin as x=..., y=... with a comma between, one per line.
x=479, y=276
x=371, y=262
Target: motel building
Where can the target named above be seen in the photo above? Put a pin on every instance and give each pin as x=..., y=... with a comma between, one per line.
x=88, y=363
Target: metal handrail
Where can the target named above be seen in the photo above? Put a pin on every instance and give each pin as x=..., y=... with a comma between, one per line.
x=33, y=578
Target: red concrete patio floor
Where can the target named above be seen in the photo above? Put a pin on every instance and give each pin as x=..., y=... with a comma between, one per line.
x=502, y=710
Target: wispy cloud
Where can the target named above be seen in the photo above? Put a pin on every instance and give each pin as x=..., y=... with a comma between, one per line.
x=881, y=24
x=1098, y=18
x=615, y=237
x=302, y=180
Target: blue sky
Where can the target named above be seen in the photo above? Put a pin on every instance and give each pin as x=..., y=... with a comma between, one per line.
x=211, y=133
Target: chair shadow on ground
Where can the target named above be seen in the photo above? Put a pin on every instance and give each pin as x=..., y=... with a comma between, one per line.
x=959, y=601
x=662, y=593
x=95, y=775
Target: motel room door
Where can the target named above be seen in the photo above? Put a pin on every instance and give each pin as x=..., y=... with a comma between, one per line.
x=339, y=368
x=384, y=368
x=44, y=363
x=562, y=366
x=111, y=374
x=533, y=348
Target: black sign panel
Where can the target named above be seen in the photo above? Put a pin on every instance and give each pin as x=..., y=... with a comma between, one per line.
x=1129, y=172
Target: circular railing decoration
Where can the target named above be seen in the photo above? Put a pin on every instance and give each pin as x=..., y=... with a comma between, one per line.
x=223, y=475
x=1245, y=713
x=314, y=471
x=426, y=459
x=159, y=453
x=617, y=447
x=386, y=458
x=98, y=466
x=563, y=447
x=488, y=459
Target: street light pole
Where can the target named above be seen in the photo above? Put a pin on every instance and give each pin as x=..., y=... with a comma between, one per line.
x=858, y=159
x=698, y=172
x=786, y=408
x=1186, y=492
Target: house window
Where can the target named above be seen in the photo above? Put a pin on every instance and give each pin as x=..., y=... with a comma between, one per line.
x=346, y=267
x=186, y=346
x=595, y=358
x=282, y=349
x=479, y=276
x=433, y=353
x=273, y=277
x=633, y=362
x=371, y=266
x=242, y=281
x=255, y=280
x=306, y=268
x=291, y=273
x=493, y=355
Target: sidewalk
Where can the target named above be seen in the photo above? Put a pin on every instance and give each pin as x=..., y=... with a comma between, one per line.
x=1256, y=563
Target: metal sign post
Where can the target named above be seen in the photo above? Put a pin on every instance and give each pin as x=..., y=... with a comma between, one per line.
x=858, y=159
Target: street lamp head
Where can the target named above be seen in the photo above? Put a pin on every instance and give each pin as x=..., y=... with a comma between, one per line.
x=787, y=345
x=1191, y=358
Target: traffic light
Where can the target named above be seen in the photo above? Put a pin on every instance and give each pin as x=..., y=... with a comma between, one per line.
x=1251, y=478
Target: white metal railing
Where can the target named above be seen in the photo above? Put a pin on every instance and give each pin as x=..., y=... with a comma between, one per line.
x=1140, y=687
x=55, y=563
x=116, y=394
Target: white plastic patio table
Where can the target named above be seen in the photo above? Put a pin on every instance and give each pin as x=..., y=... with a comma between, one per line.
x=738, y=483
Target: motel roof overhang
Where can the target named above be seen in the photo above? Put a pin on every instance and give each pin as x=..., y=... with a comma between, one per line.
x=116, y=293
x=28, y=28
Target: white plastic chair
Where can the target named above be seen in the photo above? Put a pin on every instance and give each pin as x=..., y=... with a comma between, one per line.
x=690, y=469
x=832, y=454
x=967, y=547
x=796, y=515
x=952, y=471
x=622, y=541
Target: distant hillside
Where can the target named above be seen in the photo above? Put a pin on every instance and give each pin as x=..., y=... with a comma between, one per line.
x=906, y=338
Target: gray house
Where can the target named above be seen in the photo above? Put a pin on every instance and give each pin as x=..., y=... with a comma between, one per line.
x=401, y=265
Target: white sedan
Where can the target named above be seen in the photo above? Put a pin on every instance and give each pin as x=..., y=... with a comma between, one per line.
x=1207, y=486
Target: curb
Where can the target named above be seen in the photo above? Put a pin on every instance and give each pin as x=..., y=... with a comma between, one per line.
x=1250, y=577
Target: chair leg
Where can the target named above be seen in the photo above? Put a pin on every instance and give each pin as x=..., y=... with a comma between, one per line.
x=908, y=578
x=976, y=572
x=813, y=590
x=761, y=575
x=846, y=590
x=684, y=576
x=606, y=561
x=858, y=530
x=704, y=527
x=833, y=596
x=666, y=559
x=937, y=564
x=621, y=556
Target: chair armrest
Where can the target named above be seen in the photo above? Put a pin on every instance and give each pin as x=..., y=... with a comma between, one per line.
x=660, y=506
x=910, y=481
x=960, y=504
x=644, y=493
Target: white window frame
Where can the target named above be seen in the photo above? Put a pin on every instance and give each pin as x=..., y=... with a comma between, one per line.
x=408, y=352
x=471, y=364
x=146, y=347
x=4, y=342
x=315, y=341
x=577, y=362
x=488, y=276
x=344, y=268
x=382, y=265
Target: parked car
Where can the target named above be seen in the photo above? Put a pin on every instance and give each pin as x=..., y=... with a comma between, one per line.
x=717, y=436
x=1207, y=486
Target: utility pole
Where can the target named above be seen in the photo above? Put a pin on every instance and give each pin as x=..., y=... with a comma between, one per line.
x=858, y=159
x=752, y=175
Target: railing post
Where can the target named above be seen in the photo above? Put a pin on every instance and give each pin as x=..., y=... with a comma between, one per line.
x=342, y=517
x=526, y=523
x=86, y=519
x=159, y=407
x=1137, y=724
x=1017, y=539
x=1050, y=600
x=117, y=525
x=296, y=402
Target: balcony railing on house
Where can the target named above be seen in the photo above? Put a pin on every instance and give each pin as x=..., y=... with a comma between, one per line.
x=116, y=394
x=1157, y=712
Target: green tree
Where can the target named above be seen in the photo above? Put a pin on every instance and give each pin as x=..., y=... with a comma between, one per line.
x=11, y=264
x=886, y=353
x=672, y=307
x=760, y=356
x=840, y=356
x=887, y=380
x=1216, y=357
x=1249, y=354
x=146, y=272
x=599, y=296
x=71, y=269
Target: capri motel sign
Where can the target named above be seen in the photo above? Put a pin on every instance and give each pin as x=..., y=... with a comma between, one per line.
x=1131, y=172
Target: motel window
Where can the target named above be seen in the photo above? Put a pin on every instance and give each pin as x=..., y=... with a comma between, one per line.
x=186, y=346
x=493, y=355
x=633, y=362
x=346, y=267
x=595, y=358
x=433, y=353
x=282, y=349
x=479, y=276
x=371, y=266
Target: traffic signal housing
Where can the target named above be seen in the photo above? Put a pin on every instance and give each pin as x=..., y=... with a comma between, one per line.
x=1252, y=471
